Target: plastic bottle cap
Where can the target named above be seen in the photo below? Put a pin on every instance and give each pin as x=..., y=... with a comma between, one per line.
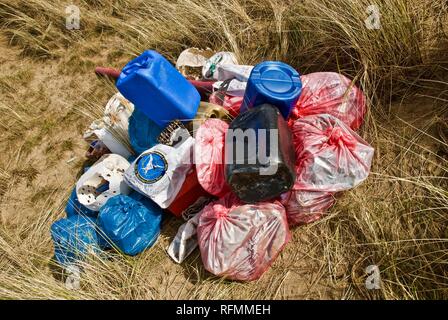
x=276, y=81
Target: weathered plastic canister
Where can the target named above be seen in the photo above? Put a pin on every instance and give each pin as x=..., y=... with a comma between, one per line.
x=259, y=155
x=273, y=82
x=157, y=89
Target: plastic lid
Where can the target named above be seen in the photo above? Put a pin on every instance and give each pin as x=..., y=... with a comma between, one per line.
x=276, y=78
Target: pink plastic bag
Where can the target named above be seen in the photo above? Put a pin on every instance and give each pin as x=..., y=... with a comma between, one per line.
x=209, y=156
x=330, y=93
x=240, y=241
x=230, y=103
x=329, y=155
x=303, y=207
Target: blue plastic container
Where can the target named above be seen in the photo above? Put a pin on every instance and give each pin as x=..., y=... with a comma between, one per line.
x=73, y=238
x=132, y=225
x=275, y=83
x=143, y=132
x=157, y=89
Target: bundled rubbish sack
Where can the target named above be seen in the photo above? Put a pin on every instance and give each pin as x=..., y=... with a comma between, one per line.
x=240, y=241
x=160, y=172
x=190, y=62
x=103, y=180
x=330, y=93
x=74, y=207
x=112, y=129
x=259, y=155
x=189, y=194
x=132, y=225
x=158, y=89
x=96, y=150
x=330, y=156
x=143, y=132
x=185, y=240
x=273, y=82
x=210, y=69
x=209, y=156
x=303, y=207
x=73, y=239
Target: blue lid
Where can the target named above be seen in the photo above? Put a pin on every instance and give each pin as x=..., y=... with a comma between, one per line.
x=275, y=78
x=275, y=83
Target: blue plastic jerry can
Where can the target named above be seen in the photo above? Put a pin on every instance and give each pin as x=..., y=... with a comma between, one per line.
x=275, y=83
x=158, y=90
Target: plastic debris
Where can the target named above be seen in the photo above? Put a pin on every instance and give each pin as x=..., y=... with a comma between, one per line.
x=209, y=70
x=303, y=207
x=96, y=150
x=190, y=192
x=330, y=93
x=112, y=129
x=273, y=82
x=232, y=71
x=102, y=181
x=209, y=156
x=143, y=132
x=158, y=89
x=330, y=156
x=204, y=87
x=234, y=87
x=240, y=241
x=74, y=207
x=160, y=172
x=197, y=207
x=259, y=155
x=190, y=62
x=270, y=149
x=131, y=225
x=206, y=111
x=230, y=103
x=74, y=238
x=185, y=240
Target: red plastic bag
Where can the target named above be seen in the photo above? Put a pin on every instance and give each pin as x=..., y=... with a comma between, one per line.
x=240, y=241
x=330, y=93
x=230, y=103
x=209, y=156
x=303, y=207
x=329, y=155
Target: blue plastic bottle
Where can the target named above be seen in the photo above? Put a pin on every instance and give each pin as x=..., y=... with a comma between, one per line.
x=275, y=83
x=157, y=89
